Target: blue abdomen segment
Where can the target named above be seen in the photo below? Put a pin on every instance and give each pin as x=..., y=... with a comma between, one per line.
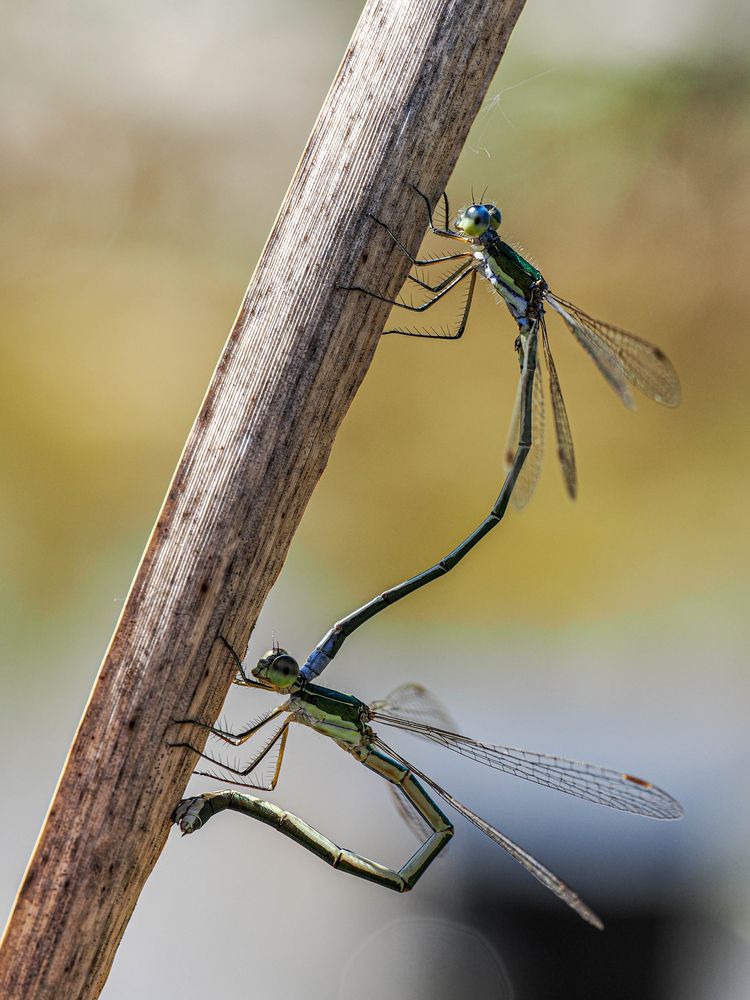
x=318, y=660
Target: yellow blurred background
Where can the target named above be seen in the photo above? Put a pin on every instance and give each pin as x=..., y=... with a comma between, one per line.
x=145, y=150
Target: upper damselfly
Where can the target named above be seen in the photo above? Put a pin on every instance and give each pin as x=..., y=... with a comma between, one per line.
x=349, y=723
x=623, y=359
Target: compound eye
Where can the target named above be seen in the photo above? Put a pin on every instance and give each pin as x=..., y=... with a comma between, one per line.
x=284, y=670
x=474, y=221
x=286, y=665
x=480, y=215
x=494, y=214
x=278, y=668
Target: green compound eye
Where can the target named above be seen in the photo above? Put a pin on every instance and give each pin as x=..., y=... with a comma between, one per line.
x=474, y=221
x=278, y=668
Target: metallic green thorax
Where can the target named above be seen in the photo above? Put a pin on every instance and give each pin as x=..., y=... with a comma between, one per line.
x=510, y=266
x=341, y=716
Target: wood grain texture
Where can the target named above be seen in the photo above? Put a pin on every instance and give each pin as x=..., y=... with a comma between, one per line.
x=399, y=110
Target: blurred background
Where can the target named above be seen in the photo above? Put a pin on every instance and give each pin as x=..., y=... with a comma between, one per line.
x=145, y=149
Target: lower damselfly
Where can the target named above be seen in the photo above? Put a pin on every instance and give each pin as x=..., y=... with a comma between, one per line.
x=349, y=723
x=622, y=358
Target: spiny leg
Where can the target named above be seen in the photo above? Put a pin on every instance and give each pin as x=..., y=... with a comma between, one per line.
x=332, y=641
x=243, y=680
x=280, y=735
x=235, y=739
x=457, y=333
x=428, y=261
x=192, y=814
x=267, y=786
x=458, y=276
x=447, y=232
x=439, y=290
x=417, y=261
x=447, y=211
x=441, y=284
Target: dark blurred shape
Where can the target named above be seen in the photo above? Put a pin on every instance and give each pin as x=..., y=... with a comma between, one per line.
x=549, y=955
x=658, y=949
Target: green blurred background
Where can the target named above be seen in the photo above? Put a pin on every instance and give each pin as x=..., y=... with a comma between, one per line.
x=145, y=150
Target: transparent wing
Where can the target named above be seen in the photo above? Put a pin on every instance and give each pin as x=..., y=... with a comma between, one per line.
x=411, y=816
x=540, y=872
x=586, y=781
x=532, y=467
x=601, y=354
x=565, y=450
x=643, y=364
x=413, y=701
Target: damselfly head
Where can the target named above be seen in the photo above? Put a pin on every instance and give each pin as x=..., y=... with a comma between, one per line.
x=477, y=219
x=277, y=669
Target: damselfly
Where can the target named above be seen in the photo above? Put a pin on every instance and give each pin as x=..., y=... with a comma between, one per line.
x=623, y=359
x=348, y=722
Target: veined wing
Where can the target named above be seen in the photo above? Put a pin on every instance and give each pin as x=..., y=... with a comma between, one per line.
x=413, y=701
x=532, y=468
x=565, y=450
x=602, y=785
x=643, y=364
x=601, y=354
x=540, y=872
x=411, y=816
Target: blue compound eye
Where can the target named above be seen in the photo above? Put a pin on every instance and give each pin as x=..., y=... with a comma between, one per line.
x=479, y=215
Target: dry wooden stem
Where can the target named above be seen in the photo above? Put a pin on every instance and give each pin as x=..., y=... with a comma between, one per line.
x=399, y=110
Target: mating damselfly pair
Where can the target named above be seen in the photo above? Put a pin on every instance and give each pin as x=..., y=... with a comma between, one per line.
x=624, y=360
